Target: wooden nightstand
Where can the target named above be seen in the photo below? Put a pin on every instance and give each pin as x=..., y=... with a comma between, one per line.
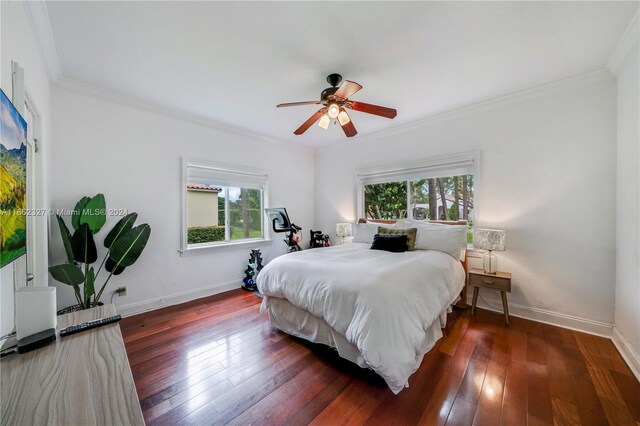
x=500, y=281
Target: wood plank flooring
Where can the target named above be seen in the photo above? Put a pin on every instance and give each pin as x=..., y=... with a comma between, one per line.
x=217, y=360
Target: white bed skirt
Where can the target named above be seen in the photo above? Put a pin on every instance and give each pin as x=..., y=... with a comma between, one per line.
x=297, y=322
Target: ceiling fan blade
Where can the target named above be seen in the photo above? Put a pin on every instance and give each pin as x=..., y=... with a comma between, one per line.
x=347, y=89
x=290, y=104
x=305, y=126
x=349, y=129
x=372, y=109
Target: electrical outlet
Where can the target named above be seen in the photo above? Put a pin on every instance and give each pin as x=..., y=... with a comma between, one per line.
x=121, y=291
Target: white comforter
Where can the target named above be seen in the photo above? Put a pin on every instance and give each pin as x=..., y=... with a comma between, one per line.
x=382, y=302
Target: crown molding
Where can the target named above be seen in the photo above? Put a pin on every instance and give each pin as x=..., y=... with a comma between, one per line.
x=39, y=20
x=40, y=25
x=38, y=17
x=176, y=113
x=581, y=80
x=629, y=41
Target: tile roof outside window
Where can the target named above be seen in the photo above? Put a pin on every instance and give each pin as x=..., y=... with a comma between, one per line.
x=202, y=187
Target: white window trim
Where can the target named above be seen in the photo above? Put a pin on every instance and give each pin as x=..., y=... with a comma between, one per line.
x=185, y=249
x=408, y=170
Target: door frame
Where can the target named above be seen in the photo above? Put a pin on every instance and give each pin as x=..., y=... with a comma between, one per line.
x=34, y=181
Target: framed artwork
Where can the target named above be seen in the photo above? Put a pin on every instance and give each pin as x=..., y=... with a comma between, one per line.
x=13, y=182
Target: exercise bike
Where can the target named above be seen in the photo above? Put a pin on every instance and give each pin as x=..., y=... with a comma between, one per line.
x=281, y=223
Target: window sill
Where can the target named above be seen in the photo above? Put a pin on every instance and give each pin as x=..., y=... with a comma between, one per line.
x=214, y=248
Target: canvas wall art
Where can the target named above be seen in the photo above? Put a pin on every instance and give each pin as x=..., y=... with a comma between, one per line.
x=13, y=182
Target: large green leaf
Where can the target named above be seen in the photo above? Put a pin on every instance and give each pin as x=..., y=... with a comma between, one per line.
x=77, y=212
x=123, y=225
x=94, y=213
x=66, y=238
x=111, y=267
x=88, y=285
x=84, y=247
x=126, y=250
x=67, y=274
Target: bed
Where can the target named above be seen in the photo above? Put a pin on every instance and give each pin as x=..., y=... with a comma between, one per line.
x=378, y=309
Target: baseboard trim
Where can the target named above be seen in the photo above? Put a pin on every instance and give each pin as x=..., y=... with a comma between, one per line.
x=626, y=351
x=571, y=322
x=177, y=298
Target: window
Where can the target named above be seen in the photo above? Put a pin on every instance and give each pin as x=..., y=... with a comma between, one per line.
x=223, y=205
x=439, y=198
x=439, y=189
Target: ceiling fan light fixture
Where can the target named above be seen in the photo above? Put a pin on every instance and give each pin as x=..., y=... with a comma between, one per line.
x=343, y=117
x=333, y=101
x=324, y=122
x=333, y=110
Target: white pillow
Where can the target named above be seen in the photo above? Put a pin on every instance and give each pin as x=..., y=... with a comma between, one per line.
x=450, y=239
x=364, y=232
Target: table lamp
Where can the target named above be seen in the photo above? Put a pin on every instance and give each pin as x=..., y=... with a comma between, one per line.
x=489, y=239
x=343, y=230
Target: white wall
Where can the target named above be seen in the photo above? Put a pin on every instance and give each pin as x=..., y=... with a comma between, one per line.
x=133, y=156
x=547, y=176
x=627, y=293
x=18, y=43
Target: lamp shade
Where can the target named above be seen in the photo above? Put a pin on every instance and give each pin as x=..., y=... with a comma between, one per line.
x=324, y=122
x=343, y=230
x=489, y=239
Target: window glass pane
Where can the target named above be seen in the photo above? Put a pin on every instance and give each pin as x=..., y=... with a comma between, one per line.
x=386, y=200
x=443, y=198
x=205, y=213
x=245, y=213
x=222, y=205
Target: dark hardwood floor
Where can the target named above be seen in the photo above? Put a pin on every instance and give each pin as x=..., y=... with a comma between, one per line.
x=217, y=360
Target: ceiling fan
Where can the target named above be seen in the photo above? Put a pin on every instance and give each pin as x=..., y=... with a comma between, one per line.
x=335, y=101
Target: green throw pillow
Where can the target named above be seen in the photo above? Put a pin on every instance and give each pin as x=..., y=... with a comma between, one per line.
x=409, y=232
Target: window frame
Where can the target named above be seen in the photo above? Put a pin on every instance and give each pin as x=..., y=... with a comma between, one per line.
x=203, y=248
x=448, y=165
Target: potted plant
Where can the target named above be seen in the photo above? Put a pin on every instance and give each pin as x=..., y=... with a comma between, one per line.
x=124, y=245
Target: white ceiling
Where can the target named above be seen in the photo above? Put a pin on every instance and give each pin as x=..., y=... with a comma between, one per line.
x=234, y=61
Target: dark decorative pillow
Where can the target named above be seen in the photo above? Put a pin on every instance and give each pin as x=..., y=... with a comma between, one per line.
x=409, y=232
x=392, y=243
